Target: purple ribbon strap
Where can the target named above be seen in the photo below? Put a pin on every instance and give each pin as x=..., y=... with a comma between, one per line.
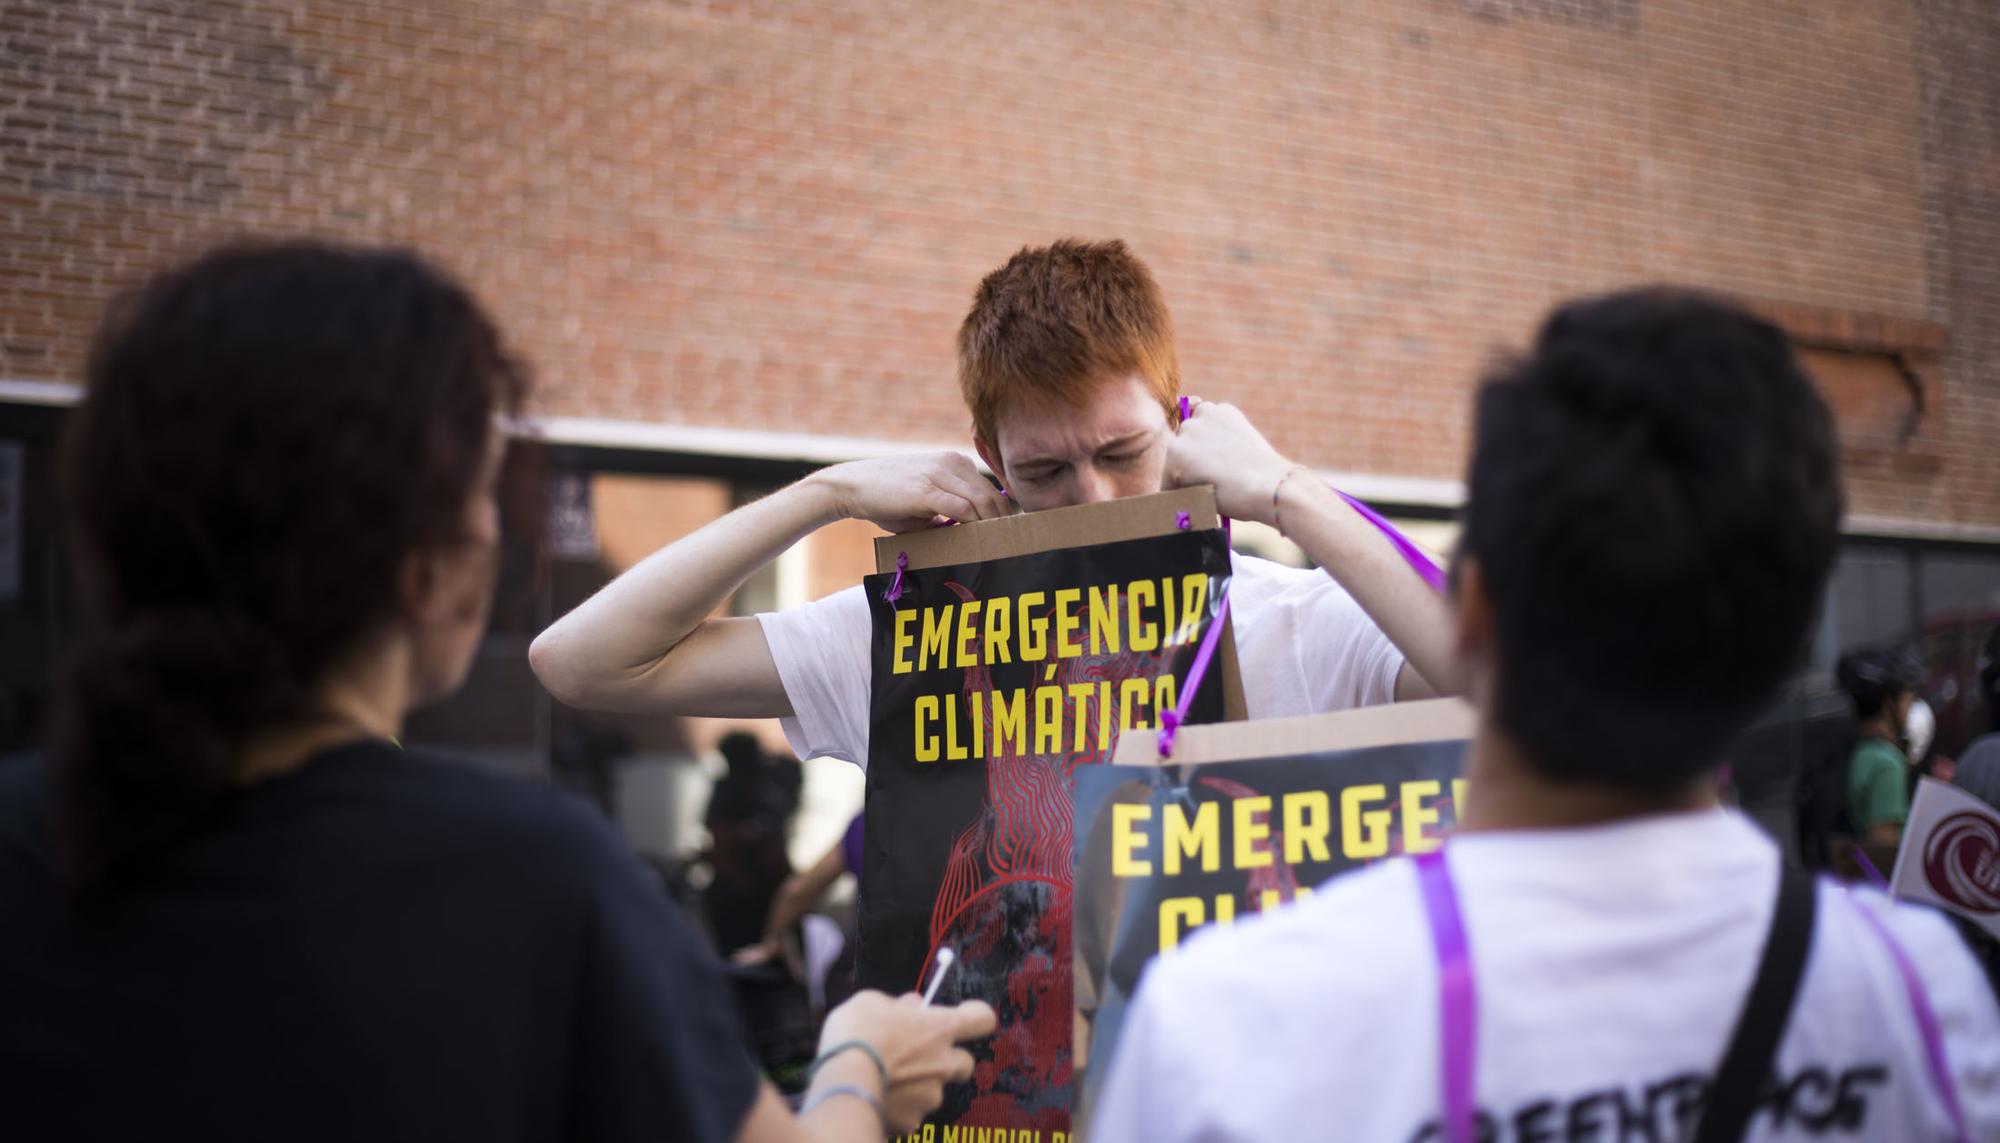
x=1458, y=996
x=1868, y=869
x=1459, y=1003
x=1170, y=720
x=1182, y=518
x=1927, y=1022
x=1412, y=554
x=895, y=591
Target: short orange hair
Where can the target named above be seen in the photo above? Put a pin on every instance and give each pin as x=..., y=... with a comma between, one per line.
x=1056, y=321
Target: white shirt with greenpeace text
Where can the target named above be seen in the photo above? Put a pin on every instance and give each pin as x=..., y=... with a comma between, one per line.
x=1303, y=645
x=1610, y=965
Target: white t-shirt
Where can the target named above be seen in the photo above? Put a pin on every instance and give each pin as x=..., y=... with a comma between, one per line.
x=1303, y=644
x=1609, y=963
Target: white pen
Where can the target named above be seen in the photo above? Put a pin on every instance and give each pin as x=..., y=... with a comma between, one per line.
x=945, y=957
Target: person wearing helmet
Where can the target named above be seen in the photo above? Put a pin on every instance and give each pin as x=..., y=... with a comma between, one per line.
x=1979, y=767
x=1882, y=685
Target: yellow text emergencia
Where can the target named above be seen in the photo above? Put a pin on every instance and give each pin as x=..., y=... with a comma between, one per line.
x=1143, y=615
x=1306, y=825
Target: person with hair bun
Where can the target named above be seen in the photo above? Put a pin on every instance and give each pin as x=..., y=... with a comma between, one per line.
x=231, y=906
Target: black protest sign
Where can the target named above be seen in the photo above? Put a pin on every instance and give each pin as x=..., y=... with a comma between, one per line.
x=1005, y=659
x=1250, y=816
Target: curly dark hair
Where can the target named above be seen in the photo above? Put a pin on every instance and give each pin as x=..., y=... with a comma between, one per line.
x=267, y=433
x=1654, y=505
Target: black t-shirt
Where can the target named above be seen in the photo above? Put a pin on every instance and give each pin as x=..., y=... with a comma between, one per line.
x=378, y=946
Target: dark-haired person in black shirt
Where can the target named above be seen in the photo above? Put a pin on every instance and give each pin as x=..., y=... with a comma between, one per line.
x=231, y=908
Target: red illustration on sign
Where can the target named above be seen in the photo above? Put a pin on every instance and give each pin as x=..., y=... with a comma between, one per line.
x=1962, y=861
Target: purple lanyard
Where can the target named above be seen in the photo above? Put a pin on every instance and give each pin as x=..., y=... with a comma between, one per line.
x=1422, y=564
x=1459, y=1008
x=1412, y=554
x=1170, y=720
x=1459, y=1013
x=1927, y=1022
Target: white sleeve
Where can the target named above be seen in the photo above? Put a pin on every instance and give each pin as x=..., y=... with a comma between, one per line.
x=1142, y=1096
x=823, y=655
x=1963, y=1001
x=1345, y=658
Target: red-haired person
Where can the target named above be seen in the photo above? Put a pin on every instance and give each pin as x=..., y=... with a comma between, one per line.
x=1068, y=368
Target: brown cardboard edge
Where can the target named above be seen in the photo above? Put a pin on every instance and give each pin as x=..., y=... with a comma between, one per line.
x=1432, y=720
x=1109, y=522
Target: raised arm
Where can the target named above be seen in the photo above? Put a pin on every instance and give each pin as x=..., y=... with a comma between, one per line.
x=645, y=644
x=796, y=897
x=1217, y=445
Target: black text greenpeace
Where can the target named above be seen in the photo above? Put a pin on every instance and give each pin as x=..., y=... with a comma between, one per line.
x=1005, y=657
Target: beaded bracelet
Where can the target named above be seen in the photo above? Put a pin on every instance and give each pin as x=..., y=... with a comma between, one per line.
x=843, y=1046
x=855, y=1090
x=1277, y=488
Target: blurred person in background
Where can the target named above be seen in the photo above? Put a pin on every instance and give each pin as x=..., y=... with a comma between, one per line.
x=801, y=893
x=233, y=908
x=1919, y=739
x=749, y=814
x=749, y=819
x=1979, y=766
x=1652, y=513
x=1882, y=685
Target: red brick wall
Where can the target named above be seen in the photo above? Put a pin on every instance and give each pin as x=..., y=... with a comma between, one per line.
x=771, y=214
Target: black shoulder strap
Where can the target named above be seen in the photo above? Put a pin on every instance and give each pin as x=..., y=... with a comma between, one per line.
x=1753, y=1047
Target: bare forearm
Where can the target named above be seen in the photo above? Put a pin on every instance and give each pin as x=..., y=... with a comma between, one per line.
x=844, y=1117
x=1413, y=615
x=841, y=1119
x=1217, y=445
x=646, y=644
x=801, y=891
x=611, y=642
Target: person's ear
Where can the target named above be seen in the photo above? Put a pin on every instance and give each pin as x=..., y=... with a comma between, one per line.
x=988, y=454
x=420, y=588
x=438, y=588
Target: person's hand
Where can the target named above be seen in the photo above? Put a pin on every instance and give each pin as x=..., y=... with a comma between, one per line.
x=784, y=952
x=918, y=1044
x=1217, y=444
x=904, y=493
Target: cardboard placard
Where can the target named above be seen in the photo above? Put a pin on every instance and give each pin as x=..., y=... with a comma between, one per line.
x=1245, y=817
x=1432, y=720
x=1950, y=856
x=1026, y=533
x=1014, y=655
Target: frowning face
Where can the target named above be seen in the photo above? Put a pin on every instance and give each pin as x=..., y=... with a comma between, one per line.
x=1050, y=454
